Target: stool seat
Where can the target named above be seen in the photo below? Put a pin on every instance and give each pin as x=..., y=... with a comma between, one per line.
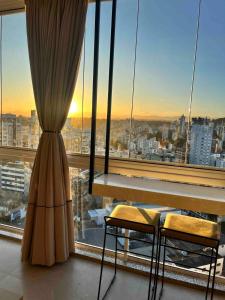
x=134, y=218
x=196, y=230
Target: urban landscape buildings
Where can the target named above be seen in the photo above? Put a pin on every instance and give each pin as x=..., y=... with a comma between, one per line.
x=147, y=140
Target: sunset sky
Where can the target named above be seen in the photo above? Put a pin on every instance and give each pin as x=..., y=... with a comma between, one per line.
x=164, y=60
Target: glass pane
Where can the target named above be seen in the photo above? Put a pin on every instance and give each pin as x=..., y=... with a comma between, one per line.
x=165, y=42
x=14, y=188
x=77, y=130
x=20, y=126
x=104, y=51
x=123, y=75
x=89, y=213
x=207, y=131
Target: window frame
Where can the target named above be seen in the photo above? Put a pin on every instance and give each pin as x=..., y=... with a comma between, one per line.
x=178, y=172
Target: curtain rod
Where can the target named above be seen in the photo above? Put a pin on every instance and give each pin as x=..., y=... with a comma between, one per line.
x=8, y=11
x=13, y=10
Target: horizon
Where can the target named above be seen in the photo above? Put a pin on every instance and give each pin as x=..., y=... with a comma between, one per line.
x=126, y=118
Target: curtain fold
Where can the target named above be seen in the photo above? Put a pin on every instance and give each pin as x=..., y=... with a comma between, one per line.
x=55, y=30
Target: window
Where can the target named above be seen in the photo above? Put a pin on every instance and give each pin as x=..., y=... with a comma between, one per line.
x=19, y=120
x=152, y=83
x=153, y=123
x=155, y=129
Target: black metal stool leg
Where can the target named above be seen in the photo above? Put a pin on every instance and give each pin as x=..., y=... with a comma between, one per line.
x=102, y=263
x=157, y=265
x=214, y=272
x=116, y=248
x=163, y=269
x=209, y=277
x=151, y=267
x=115, y=264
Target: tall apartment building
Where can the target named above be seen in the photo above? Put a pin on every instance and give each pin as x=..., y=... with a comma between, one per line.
x=22, y=134
x=165, y=132
x=201, y=143
x=18, y=131
x=181, y=126
x=34, y=130
x=8, y=134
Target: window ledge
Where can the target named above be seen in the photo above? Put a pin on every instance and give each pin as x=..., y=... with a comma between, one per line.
x=201, y=198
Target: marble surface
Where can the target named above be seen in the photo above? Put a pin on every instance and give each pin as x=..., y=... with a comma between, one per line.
x=155, y=191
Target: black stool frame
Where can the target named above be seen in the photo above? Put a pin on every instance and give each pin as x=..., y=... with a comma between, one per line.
x=213, y=257
x=153, y=232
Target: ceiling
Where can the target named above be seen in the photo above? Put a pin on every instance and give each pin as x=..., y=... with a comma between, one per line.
x=10, y=5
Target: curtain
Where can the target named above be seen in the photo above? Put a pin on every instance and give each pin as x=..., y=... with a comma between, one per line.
x=55, y=30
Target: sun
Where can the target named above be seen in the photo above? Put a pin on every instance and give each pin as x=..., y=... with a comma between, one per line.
x=73, y=108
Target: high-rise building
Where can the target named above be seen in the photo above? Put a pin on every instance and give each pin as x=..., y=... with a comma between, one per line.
x=165, y=132
x=201, y=143
x=34, y=130
x=181, y=126
x=22, y=134
x=8, y=134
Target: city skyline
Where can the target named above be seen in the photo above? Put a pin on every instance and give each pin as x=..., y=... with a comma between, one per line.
x=201, y=142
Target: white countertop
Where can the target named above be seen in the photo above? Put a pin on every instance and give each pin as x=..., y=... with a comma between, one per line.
x=179, y=195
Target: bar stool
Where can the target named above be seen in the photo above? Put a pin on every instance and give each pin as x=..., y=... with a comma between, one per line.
x=194, y=230
x=131, y=218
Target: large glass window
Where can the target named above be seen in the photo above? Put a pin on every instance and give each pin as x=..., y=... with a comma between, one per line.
x=89, y=213
x=150, y=110
x=19, y=120
x=152, y=118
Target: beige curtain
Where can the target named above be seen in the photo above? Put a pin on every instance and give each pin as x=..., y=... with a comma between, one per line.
x=55, y=30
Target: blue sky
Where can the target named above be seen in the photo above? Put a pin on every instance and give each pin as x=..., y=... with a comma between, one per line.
x=164, y=59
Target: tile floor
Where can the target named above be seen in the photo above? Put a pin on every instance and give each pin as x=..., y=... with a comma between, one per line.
x=77, y=279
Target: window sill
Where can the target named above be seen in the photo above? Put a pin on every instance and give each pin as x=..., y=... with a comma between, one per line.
x=205, y=199
x=202, y=175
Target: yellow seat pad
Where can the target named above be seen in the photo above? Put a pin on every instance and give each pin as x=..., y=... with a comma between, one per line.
x=191, y=225
x=128, y=214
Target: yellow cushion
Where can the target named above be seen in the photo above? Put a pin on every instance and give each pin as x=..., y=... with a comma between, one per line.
x=185, y=224
x=135, y=214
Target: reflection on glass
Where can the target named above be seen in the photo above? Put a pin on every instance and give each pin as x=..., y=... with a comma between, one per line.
x=89, y=213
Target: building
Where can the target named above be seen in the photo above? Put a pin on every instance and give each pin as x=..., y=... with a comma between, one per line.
x=13, y=177
x=180, y=154
x=181, y=126
x=22, y=134
x=165, y=132
x=8, y=130
x=34, y=130
x=220, y=162
x=147, y=146
x=201, y=143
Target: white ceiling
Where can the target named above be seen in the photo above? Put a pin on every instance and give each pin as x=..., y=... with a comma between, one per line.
x=7, y=5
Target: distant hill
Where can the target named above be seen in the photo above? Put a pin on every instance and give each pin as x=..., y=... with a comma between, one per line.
x=100, y=121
